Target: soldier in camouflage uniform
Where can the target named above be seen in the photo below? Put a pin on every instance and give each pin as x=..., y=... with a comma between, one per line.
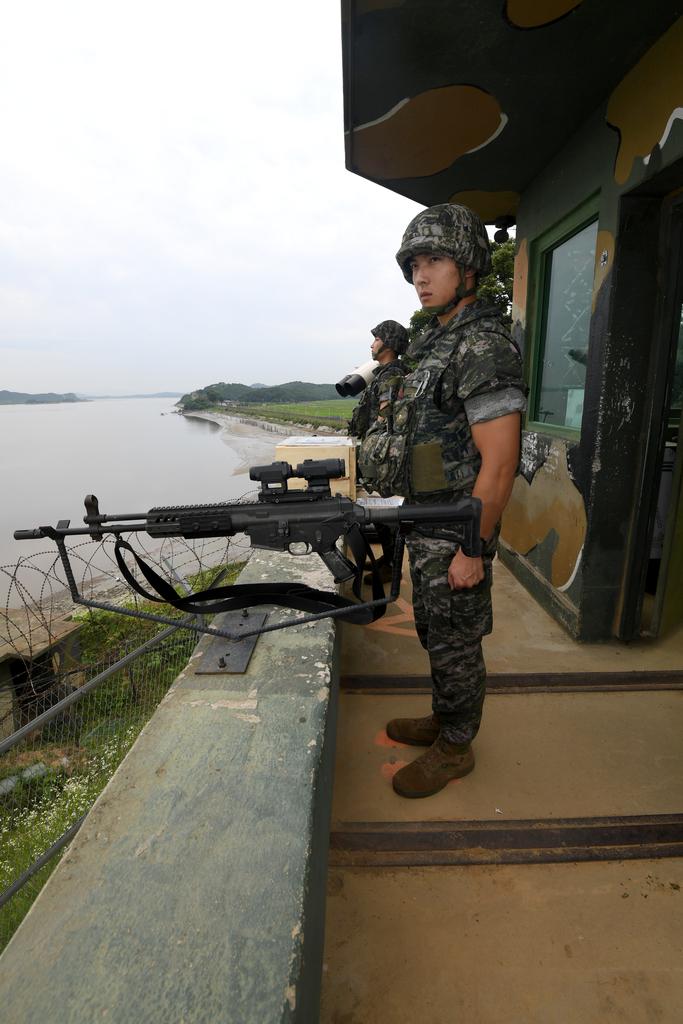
x=463, y=403
x=389, y=341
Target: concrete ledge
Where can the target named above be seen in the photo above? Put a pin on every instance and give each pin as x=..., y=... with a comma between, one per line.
x=195, y=888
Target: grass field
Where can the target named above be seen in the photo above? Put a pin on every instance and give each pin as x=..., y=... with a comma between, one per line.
x=332, y=413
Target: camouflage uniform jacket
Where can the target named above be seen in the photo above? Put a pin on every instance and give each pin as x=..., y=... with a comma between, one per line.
x=467, y=371
x=384, y=387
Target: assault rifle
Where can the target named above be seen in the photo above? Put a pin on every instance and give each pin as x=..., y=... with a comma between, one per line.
x=282, y=519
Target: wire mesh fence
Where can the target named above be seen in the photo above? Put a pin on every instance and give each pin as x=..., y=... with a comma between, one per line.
x=76, y=688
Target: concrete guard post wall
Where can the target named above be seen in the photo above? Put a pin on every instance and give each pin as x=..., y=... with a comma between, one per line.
x=194, y=890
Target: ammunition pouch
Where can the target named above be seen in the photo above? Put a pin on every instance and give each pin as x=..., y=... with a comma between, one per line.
x=392, y=459
x=383, y=459
x=360, y=417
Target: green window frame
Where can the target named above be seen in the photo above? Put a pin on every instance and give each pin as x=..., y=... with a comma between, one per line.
x=542, y=302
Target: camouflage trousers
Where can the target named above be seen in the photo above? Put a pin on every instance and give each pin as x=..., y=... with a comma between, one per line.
x=450, y=625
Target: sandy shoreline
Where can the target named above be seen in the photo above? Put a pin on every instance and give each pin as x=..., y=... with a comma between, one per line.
x=254, y=441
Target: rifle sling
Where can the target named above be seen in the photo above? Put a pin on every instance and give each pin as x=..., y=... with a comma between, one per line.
x=294, y=595
x=360, y=549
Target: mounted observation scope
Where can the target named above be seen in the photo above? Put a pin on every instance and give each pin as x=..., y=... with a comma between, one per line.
x=316, y=472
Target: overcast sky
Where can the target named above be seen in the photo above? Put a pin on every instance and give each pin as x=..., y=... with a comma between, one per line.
x=175, y=208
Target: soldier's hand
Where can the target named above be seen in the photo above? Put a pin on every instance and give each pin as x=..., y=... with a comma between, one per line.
x=465, y=572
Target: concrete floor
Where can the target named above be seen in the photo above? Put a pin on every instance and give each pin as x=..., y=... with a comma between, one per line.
x=570, y=943
x=542, y=944
x=539, y=755
x=524, y=639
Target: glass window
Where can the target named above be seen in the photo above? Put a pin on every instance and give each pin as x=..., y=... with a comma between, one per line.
x=566, y=322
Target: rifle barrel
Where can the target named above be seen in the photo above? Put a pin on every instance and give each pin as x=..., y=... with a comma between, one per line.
x=226, y=518
x=128, y=516
x=52, y=532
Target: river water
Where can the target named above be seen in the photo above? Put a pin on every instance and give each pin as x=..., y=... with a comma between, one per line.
x=132, y=453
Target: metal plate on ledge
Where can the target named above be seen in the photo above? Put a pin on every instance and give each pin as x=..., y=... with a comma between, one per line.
x=223, y=657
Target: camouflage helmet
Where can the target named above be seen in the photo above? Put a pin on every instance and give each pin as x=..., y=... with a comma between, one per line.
x=393, y=334
x=450, y=230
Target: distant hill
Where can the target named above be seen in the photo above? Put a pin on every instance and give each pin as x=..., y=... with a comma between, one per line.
x=294, y=391
x=19, y=398
x=213, y=394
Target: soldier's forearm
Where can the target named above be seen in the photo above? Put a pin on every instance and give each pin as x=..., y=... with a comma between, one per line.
x=493, y=487
x=498, y=444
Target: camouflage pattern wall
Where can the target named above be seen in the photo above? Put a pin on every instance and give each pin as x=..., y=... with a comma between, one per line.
x=572, y=507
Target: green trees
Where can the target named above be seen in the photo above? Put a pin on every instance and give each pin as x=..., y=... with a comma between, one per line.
x=418, y=322
x=294, y=391
x=497, y=287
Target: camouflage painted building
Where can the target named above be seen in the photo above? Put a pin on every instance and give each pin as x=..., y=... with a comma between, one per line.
x=566, y=119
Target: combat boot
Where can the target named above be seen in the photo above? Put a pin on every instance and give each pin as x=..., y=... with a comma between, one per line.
x=418, y=732
x=434, y=769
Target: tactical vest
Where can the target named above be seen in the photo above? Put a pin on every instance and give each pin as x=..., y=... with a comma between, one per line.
x=360, y=417
x=424, y=448
x=382, y=388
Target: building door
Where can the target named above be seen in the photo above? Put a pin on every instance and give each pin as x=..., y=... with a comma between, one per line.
x=667, y=611
x=660, y=594
x=651, y=234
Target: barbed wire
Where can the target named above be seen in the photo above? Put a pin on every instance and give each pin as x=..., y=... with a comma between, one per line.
x=38, y=605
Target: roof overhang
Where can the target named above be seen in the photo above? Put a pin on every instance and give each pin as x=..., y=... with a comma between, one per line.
x=468, y=100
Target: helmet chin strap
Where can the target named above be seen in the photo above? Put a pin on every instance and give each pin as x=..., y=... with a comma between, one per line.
x=383, y=348
x=461, y=292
